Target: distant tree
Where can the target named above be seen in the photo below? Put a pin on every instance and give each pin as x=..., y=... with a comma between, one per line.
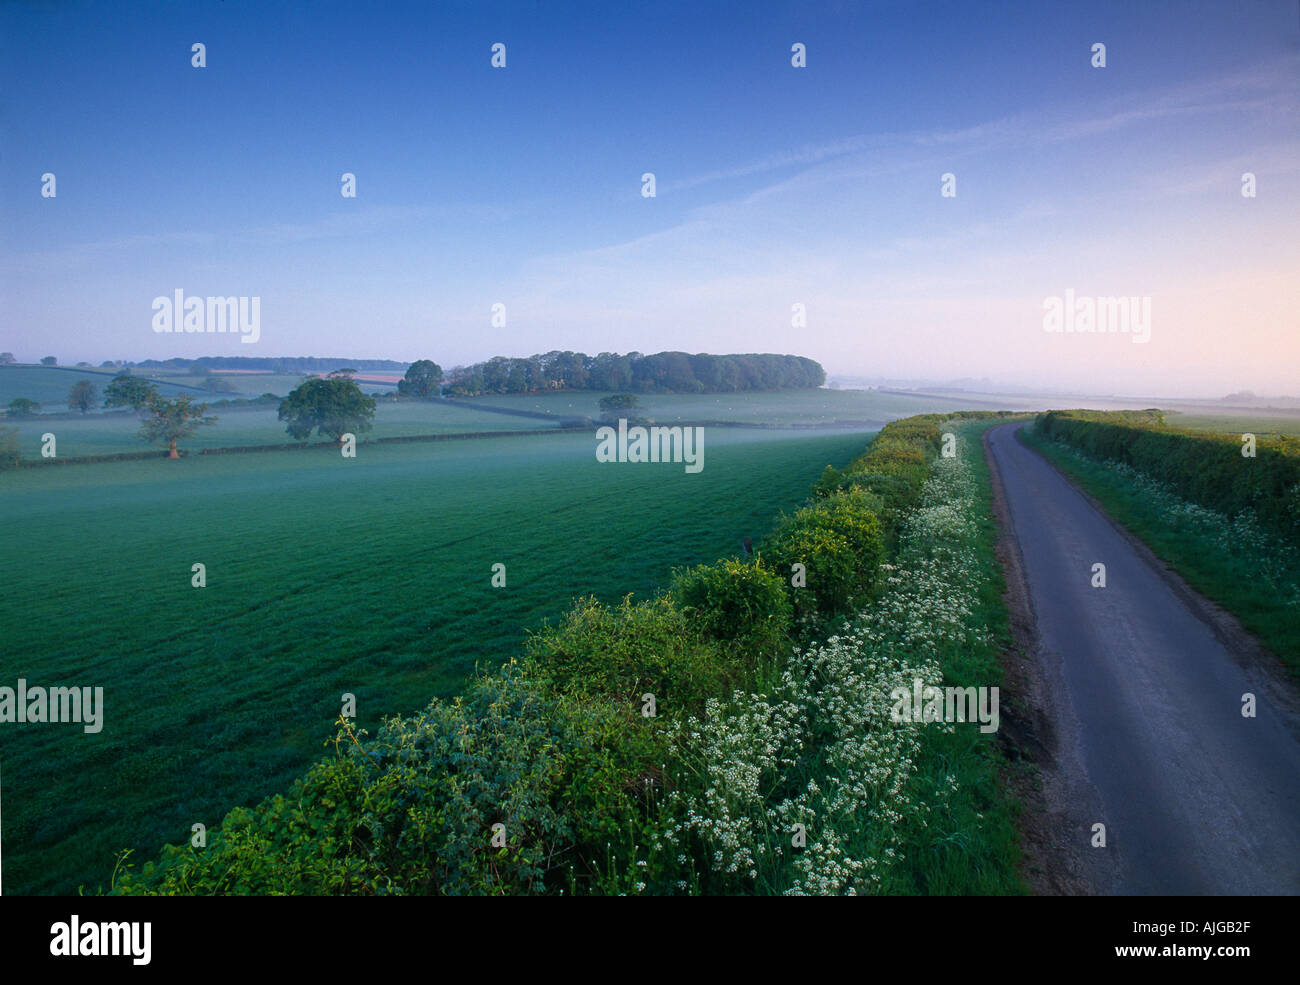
x=465, y=381
x=496, y=374
x=49, y=361
x=423, y=378
x=346, y=371
x=618, y=405
x=83, y=364
x=334, y=407
x=618, y=401
x=610, y=371
x=83, y=396
x=200, y=369
x=7, y=359
x=129, y=391
x=217, y=384
x=107, y=364
x=171, y=420
x=22, y=407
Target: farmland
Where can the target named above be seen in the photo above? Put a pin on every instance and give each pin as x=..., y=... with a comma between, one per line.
x=324, y=576
x=820, y=407
x=49, y=385
x=1261, y=425
x=108, y=434
x=117, y=432
x=243, y=384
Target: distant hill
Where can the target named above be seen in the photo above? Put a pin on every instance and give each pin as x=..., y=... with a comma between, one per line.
x=281, y=365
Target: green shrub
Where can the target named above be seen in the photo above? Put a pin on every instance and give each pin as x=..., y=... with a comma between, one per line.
x=412, y=810
x=893, y=493
x=840, y=542
x=832, y=480
x=633, y=649
x=743, y=603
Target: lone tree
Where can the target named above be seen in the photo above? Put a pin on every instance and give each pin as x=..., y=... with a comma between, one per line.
x=49, y=361
x=617, y=405
x=333, y=406
x=216, y=384
x=171, y=420
x=22, y=407
x=83, y=396
x=129, y=391
x=618, y=401
x=7, y=359
x=423, y=379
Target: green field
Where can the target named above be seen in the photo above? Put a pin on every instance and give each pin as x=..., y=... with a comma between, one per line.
x=109, y=434
x=801, y=407
x=256, y=384
x=325, y=576
x=49, y=386
x=1259, y=424
x=114, y=433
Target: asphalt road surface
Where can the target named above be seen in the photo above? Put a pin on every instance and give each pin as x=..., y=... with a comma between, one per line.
x=1196, y=798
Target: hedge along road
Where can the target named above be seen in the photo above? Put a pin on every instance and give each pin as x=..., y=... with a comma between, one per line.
x=1145, y=700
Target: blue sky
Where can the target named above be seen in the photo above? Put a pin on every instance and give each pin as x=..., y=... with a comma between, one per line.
x=775, y=185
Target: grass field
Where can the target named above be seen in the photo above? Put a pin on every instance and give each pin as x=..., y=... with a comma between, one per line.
x=325, y=576
x=1260, y=425
x=803, y=407
x=256, y=384
x=107, y=434
x=49, y=386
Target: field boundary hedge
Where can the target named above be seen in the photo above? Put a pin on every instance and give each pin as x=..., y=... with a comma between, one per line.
x=128, y=456
x=1208, y=469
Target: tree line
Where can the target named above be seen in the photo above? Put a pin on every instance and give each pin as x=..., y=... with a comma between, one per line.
x=660, y=372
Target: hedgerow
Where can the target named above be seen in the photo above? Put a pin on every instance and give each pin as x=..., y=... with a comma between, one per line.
x=411, y=811
x=1208, y=469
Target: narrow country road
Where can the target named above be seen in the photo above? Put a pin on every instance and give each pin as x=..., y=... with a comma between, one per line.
x=1146, y=704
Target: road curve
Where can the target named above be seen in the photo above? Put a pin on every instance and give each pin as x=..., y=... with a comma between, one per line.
x=1147, y=707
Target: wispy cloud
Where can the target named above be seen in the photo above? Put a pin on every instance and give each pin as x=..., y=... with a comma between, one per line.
x=346, y=223
x=1270, y=88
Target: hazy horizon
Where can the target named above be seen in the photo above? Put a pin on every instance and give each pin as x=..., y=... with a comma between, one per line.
x=775, y=185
